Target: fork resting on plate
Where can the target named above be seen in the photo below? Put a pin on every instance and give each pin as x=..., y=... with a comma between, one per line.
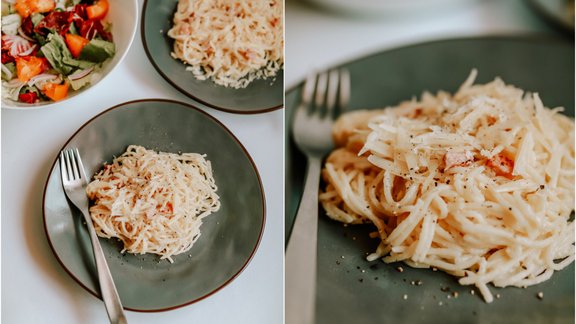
x=312, y=133
x=74, y=181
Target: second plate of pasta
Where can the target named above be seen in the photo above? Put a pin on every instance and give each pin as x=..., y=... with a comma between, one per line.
x=169, y=242
x=227, y=55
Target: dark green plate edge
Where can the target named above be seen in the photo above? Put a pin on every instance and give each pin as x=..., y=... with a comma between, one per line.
x=552, y=18
x=94, y=293
x=177, y=87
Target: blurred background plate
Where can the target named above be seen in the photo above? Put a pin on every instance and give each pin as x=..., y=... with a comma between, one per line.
x=353, y=290
x=229, y=237
x=259, y=96
x=558, y=12
x=382, y=7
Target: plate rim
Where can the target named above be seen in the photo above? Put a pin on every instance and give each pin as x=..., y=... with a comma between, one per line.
x=252, y=163
x=523, y=36
x=552, y=18
x=186, y=93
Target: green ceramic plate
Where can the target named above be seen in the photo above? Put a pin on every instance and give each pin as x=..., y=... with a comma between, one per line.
x=557, y=12
x=259, y=96
x=353, y=290
x=229, y=237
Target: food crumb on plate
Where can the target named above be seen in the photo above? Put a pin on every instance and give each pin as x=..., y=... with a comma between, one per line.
x=540, y=295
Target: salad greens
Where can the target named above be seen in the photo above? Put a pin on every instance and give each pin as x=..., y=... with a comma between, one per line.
x=51, y=45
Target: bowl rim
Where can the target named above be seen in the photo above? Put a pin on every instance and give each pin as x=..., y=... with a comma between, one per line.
x=233, y=137
x=7, y=104
x=188, y=94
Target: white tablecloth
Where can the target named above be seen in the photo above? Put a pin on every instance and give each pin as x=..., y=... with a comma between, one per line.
x=317, y=38
x=36, y=289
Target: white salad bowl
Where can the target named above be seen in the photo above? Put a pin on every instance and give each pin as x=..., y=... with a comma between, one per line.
x=123, y=17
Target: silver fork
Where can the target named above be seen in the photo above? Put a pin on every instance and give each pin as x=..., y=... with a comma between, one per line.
x=312, y=133
x=74, y=181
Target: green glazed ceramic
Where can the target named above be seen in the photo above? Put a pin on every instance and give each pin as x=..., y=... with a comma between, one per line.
x=353, y=290
x=229, y=237
x=259, y=96
x=556, y=12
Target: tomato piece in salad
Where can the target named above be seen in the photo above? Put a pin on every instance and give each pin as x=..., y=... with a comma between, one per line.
x=55, y=91
x=28, y=97
x=98, y=10
x=52, y=47
x=30, y=66
x=55, y=21
x=27, y=7
x=75, y=44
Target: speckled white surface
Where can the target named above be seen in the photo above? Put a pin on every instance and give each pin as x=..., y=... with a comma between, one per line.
x=319, y=36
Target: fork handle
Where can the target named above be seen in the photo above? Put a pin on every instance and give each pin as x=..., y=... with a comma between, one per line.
x=107, y=287
x=301, y=252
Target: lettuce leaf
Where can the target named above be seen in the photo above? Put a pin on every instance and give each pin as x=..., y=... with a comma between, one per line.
x=97, y=50
x=12, y=70
x=60, y=58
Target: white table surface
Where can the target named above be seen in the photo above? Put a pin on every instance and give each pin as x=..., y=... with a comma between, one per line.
x=36, y=289
x=318, y=39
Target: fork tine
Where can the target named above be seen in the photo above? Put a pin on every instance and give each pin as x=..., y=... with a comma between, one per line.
x=308, y=90
x=321, y=90
x=68, y=166
x=81, y=170
x=332, y=95
x=344, y=89
x=74, y=165
x=63, y=168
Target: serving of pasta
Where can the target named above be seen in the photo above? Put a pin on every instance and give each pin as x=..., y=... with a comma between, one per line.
x=231, y=42
x=479, y=183
x=154, y=202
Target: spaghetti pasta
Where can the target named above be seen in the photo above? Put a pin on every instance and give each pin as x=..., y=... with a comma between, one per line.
x=479, y=184
x=232, y=42
x=153, y=202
